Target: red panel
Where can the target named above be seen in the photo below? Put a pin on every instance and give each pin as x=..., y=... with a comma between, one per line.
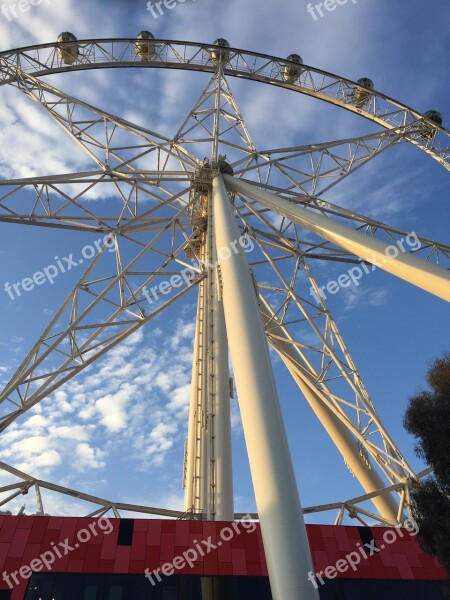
x=141, y=524
x=410, y=550
x=210, y=563
x=18, y=592
x=239, y=562
x=168, y=526
x=167, y=548
x=387, y=558
x=211, y=530
x=153, y=532
x=194, y=539
x=403, y=567
x=196, y=569
x=182, y=533
x=68, y=529
x=344, y=542
x=75, y=566
x=152, y=557
x=196, y=527
x=122, y=559
x=223, y=551
x=25, y=522
x=391, y=573
x=254, y=569
x=56, y=522
x=315, y=538
x=51, y=535
x=419, y=573
x=156, y=542
x=226, y=568
x=106, y=566
x=91, y=559
x=30, y=552
x=9, y=526
x=320, y=560
x=263, y=561
x=109, y=547
x=79, y=550
x=353, y=533
x=137, y=566
x=327, y=531
x=139, y=545
x=10, y=565
x=4, y=549
x=333, y=552
x=251, y=548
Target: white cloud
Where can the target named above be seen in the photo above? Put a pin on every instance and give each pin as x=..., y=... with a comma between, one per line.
x=358, y=297
x=75, y=432
x=88, y=457
x=112, y=407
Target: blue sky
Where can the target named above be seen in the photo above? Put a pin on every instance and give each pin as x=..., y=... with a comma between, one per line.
x=118, y=430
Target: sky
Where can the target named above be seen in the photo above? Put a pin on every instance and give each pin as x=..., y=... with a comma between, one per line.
x=118, y=430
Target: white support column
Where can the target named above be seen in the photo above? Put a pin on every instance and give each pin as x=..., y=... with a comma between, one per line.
x=205, y=446
x=417, y=271
x=189, y=475
x=196, y=476
x=208, y=468
x=283, y=529
x=338, y=432
x=221, y=455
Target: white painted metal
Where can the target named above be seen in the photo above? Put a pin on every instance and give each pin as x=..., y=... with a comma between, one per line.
x=208, y=477
x=203, y=456
x=424, y=275
x=191, y=444
x=43, y=60
x=303, y=171
x=221, y=455
x=336, y=429
x=25, y=483
x=283, y=529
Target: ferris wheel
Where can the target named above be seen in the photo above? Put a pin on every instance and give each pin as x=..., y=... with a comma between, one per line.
x=205, y=212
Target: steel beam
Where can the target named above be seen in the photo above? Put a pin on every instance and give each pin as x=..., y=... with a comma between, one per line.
x=406, y=266
x=282, y=525
x=336, y=429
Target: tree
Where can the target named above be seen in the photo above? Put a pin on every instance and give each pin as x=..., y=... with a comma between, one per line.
x=427, y=418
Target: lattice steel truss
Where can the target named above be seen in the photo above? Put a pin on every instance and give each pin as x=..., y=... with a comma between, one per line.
x=158, y=225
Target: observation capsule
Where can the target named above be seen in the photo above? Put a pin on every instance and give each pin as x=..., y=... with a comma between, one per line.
x=144, y=45
x=224, y=166
x=362, y=96
x=68, y=53
x=291, y=72
x=427, y=131
x=221, y=54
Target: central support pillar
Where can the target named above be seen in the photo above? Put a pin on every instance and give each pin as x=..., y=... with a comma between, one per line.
x=283, y=529
x=208, y=479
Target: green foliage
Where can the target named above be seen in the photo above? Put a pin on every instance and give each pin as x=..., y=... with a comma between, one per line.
x=428, y=419
x=431, y=510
